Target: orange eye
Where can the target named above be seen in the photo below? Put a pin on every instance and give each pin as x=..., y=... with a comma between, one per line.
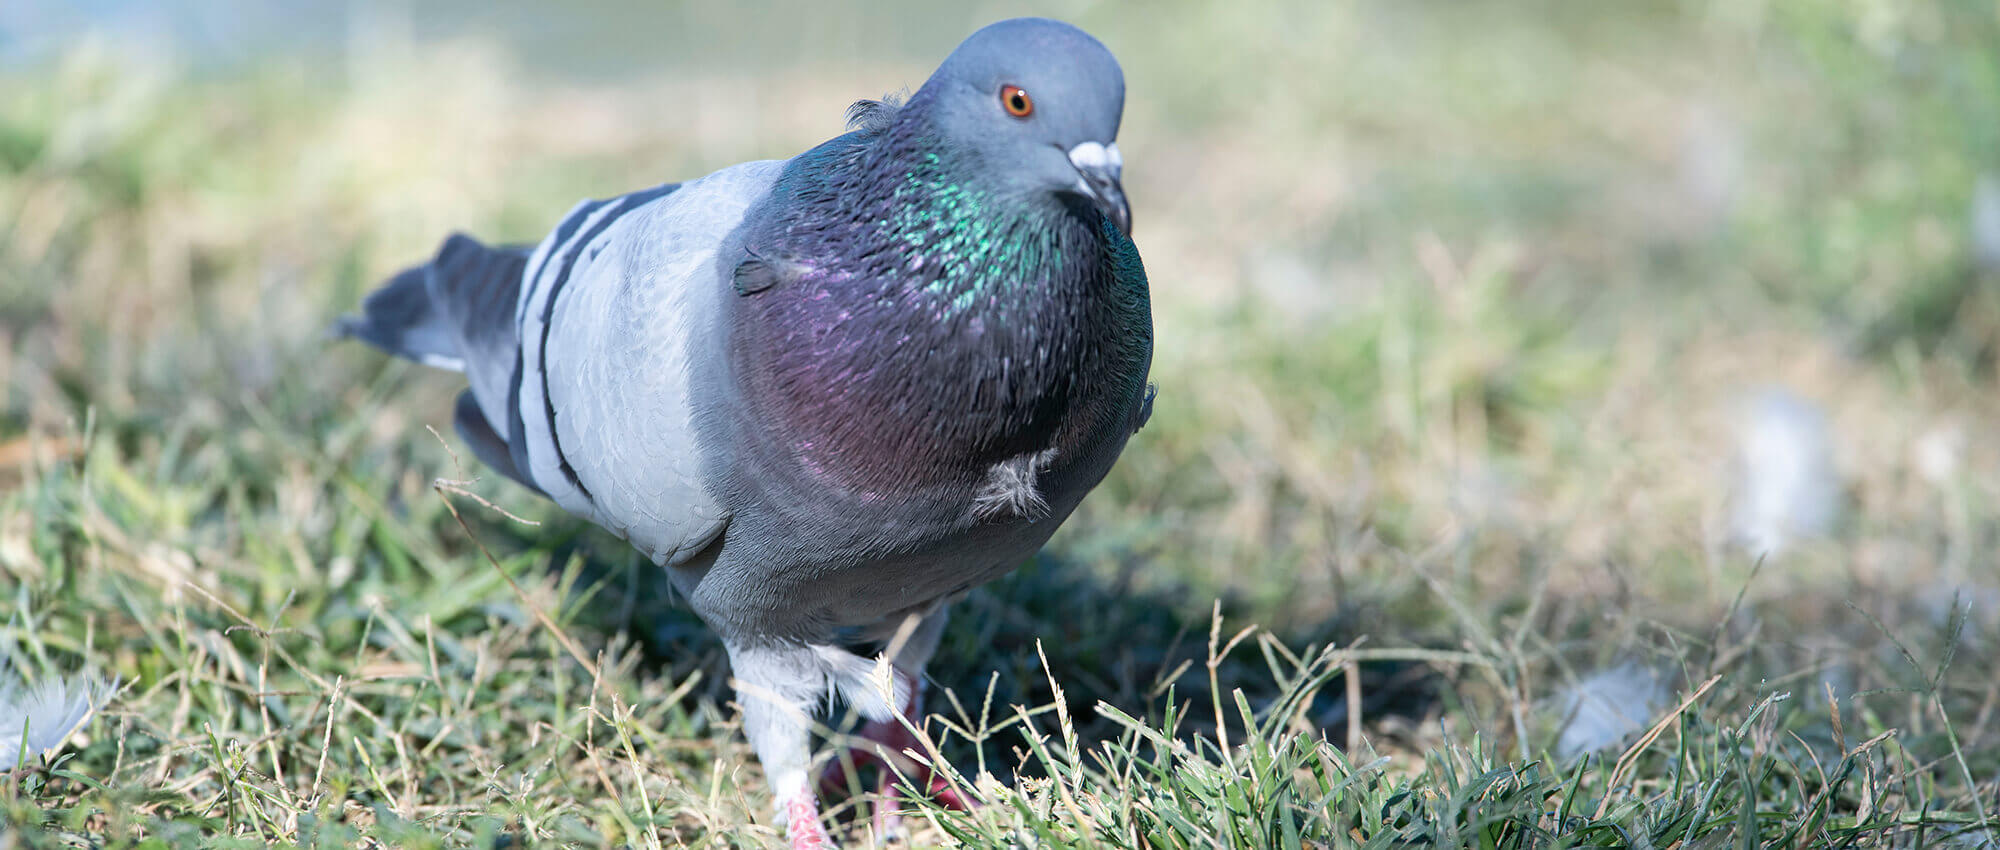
x=1016, y=101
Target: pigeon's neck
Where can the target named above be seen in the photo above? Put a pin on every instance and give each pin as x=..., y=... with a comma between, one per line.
x=901, y=214
x=933, y=325
x=961, y=244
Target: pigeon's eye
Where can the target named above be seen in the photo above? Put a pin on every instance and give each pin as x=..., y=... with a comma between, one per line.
x=1016, y=101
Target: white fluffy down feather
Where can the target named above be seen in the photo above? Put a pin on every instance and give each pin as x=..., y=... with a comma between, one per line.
x=42, y=715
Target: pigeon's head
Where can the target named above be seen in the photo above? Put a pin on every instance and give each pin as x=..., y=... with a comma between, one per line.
x=1040, y=100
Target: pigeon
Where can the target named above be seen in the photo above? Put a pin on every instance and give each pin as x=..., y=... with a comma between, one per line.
x=830, y=394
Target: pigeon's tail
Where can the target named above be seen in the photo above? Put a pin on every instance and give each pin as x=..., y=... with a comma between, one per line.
x=457, y=312
x=400, y=319
x=458, y=305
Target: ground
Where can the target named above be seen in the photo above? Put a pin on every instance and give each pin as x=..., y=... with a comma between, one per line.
x=1468, y=314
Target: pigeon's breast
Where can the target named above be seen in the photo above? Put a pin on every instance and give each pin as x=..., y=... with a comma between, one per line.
x=894, y=370
x=870, y=480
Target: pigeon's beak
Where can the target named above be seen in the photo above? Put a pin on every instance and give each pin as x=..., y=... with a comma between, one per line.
x=1098, y=167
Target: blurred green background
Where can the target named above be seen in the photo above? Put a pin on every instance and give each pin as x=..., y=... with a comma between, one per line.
x=1567, y=334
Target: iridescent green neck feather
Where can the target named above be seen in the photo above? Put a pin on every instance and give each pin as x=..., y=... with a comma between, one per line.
x=963, y=242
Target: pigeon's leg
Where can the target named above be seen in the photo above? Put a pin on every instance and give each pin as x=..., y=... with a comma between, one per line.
x=885, y=741
x=778, y=685
x=890, y=740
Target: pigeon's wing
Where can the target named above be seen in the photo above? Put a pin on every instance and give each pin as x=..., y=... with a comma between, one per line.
x=618, y=307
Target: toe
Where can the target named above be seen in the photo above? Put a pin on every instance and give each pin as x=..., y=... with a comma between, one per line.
x=802, y=824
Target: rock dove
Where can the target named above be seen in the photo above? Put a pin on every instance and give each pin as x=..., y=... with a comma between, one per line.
x=827, y=394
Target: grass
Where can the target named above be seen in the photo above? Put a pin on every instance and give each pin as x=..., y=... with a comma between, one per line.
x=1456, y=301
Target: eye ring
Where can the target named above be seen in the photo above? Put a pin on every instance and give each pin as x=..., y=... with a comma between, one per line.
x=1016, y=101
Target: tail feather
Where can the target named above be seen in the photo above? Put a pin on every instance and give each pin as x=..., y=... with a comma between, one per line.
x=400, y=318
x=476, y=289
x=457, y=312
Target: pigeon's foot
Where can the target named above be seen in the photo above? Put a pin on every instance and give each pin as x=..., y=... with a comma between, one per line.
x=802, y=823
x=887, y=744
x=890, y=741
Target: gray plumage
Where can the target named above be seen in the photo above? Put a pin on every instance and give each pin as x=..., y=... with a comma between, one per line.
x=828, y=394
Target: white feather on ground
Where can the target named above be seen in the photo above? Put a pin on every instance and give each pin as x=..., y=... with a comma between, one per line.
x=1787, y=488
x=1986, y=221
x=1938, y=454
x=1606, y=708
x=44, y=714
